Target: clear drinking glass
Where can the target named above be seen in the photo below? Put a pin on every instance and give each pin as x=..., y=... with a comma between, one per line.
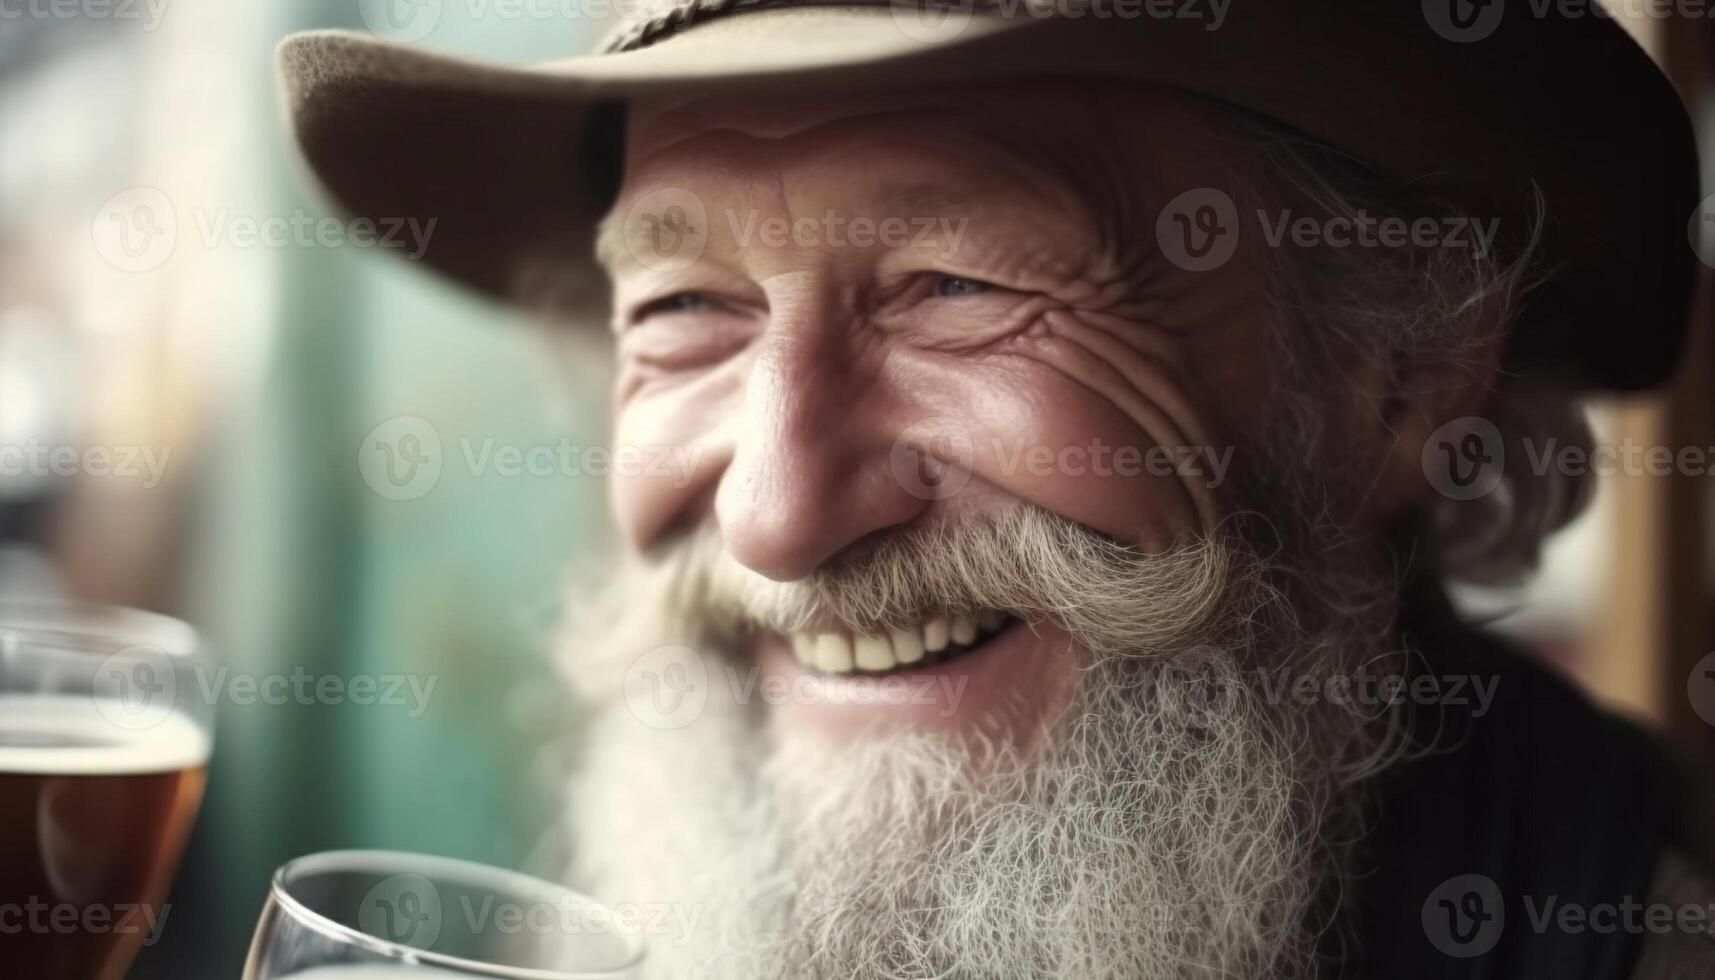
x=374, y=915
x=104, y=750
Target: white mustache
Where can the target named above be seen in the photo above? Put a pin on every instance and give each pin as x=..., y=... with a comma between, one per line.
x=1112, y=598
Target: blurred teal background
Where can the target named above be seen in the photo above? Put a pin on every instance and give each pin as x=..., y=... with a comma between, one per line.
x=263, y=369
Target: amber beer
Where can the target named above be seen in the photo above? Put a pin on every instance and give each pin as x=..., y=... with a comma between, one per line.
x=93, y=815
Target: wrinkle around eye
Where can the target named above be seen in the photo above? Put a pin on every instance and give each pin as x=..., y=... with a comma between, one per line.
x=680, y=341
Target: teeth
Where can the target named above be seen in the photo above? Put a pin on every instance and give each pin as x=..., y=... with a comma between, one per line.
x=935, y=635
x=834, y=653
x=804, y=648
x=908, y=646
x=874, y=653
x=842, y=653
x=963, y=629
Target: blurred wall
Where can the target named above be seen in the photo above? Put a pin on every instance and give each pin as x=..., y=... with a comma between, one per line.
x=141, y=157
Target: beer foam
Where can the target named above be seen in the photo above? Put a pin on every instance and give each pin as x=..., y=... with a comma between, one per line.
x=76, y=736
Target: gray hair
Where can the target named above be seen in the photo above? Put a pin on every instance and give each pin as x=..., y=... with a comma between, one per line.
x=1395, y=310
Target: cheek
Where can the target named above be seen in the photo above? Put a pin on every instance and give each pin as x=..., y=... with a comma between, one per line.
x=681, y=436
x=1125, y=462
x=1075, y=429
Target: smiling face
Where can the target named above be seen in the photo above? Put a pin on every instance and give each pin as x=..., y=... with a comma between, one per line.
x=948, y=654
x=908, y=312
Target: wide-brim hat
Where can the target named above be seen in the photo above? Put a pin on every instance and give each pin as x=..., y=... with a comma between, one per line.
x=1510, y=107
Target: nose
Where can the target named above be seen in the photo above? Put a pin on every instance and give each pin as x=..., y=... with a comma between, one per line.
x=810, y=469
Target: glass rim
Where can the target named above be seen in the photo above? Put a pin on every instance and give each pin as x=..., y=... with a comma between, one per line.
x=85, y=628
x=406, y=862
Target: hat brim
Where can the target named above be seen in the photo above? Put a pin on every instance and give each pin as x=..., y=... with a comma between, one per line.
x=515, y=165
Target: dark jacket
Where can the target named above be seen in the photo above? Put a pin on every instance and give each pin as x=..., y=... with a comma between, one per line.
x=1531, y=836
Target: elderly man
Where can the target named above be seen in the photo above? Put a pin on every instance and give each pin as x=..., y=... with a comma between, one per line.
x=1080, y=414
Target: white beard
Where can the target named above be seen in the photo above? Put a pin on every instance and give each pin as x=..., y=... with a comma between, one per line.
x=1172, y=824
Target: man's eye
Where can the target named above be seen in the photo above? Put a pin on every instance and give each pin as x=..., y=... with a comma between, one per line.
x=959, y=286
x=676, y=303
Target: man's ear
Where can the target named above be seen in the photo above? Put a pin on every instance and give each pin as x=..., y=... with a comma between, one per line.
x=1426, y=394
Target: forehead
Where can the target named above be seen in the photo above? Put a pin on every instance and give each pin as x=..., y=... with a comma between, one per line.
x=1042, y=144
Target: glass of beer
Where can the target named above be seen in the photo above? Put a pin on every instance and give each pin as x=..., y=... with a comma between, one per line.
x=103, y=754
x=376, y=915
